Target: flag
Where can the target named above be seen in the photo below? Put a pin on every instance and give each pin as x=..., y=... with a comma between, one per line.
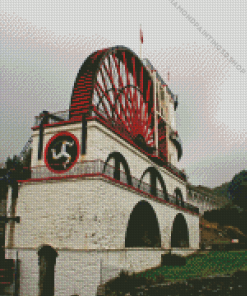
x=141, y=35
x=168, y=76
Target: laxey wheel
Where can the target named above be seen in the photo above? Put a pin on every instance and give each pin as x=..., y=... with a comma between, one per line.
x=114, y=85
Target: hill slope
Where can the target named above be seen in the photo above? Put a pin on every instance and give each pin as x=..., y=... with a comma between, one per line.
x=213, y=233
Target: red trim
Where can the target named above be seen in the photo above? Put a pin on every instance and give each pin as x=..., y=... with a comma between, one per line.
x=51, y=140
x=111, y=179
x=59, y=178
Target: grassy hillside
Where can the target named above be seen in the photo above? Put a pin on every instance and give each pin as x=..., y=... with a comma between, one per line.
x=205, y=269
x=202, y=265
x=213, y=233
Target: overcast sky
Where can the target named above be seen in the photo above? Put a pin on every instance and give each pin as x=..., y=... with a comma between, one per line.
x=44, y=43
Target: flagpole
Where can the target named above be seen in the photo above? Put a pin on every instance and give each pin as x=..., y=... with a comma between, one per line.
x=140, y=50
x=141, y=42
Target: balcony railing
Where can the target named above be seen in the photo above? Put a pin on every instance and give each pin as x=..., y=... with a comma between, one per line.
x=100, y=168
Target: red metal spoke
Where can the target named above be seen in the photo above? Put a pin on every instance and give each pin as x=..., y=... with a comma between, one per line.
x=112, y=106
x=148, y=91
x=110, y=77
x=121, y=83
x=128, y=81
x=121, y=96
x=135, y=97
x=105, y=94
x=110, y=74
x=103, y=78
x=118, y=70
x=141, y=96
x=103, y=103
x=134, y=101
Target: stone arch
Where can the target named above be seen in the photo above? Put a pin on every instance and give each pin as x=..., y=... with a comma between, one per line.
x=143, y=227
x=179, y=197
x=155, y=175
x=47, y=260
x=115, y=171
x=180, y=232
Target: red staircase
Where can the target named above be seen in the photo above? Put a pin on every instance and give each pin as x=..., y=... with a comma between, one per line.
x=7, y=273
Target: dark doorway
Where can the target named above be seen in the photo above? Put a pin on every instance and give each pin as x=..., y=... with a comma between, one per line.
x=47, y=261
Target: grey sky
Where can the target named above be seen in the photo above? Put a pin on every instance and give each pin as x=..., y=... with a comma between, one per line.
x=44, y=43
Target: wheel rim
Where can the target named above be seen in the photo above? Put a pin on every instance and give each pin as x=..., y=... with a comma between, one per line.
x=118, y=88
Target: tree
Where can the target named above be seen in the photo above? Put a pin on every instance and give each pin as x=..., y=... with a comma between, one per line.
x=14, y=163
x=237, y=189
x=18, y=168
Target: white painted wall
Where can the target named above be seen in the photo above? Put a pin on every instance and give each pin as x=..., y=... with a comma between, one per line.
x=81, y=272
x=85, y=214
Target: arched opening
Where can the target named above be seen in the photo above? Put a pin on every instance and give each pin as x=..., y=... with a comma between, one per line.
x=143, y=228
x=180, y=233
x=47, y=260
x=179, y=197
x=156, y=183
x=117, y=167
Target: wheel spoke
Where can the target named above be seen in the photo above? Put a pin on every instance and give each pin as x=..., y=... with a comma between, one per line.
x=121, y=85
x=120, y=92
x=127, y=78
x=102, y=102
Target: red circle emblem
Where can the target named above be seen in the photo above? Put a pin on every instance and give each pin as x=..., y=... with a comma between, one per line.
x=61, y=152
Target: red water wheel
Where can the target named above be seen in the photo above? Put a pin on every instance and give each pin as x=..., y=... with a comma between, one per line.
x=114, y=85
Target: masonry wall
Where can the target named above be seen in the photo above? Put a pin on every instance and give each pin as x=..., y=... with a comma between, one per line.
x=86, y=220
x=81, y=272
x=86, y=214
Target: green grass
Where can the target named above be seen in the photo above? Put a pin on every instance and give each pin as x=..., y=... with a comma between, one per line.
x=202, y=265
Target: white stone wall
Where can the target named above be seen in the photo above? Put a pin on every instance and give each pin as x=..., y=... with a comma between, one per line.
x=80, y=272
x=85, y=220
x=85, y=214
